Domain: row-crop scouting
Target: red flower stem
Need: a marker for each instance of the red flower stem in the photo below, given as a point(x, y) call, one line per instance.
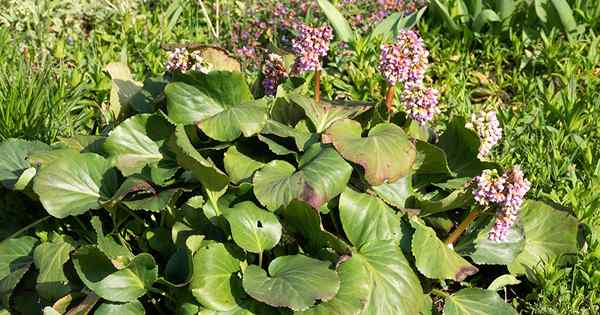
point(389, 98)
point(318, 86)
point(462, 227)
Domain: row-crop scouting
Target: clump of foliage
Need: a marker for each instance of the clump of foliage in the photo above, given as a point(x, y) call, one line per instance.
point(207, 199)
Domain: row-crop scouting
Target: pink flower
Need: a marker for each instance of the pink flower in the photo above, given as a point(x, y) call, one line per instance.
point(405, 60)
point(310, 46)
point(420, 102)
point(488, 129)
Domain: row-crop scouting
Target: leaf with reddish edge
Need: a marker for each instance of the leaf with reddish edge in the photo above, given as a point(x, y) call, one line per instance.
point(322, 174)
point(386, 154)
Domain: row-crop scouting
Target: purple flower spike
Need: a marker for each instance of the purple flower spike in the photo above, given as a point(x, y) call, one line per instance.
point(274, 72)
point(404, 61)
point(420, 102)
point(310, 45)
point(508, 192)
point(489, 188)
point(487, 126)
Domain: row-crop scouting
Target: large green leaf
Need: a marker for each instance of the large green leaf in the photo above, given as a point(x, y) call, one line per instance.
point(215, 283)
point(366, 218)
point(74, 185)
point(395, 288)
point(49, 258)
point(199, 96)
point(322, 174)
point(461, 146)
point(294, 281)
point(475, 244)
point(239, 166)
point(15, 253)
point(337, 20)
point(431, 160)
point(302, 219)
point(138, 141)
point(351, 297)
point(202, 168)
point(396, 193)
point(323, 114)
point(548, 233)
point(131, 308)
point(472, 301)
point(433, 257)
point(125, 285)
point(247, 118)
point(13, 159)
point(386, 153)
point(220, 103)
point(459, 198)
point(253, 228)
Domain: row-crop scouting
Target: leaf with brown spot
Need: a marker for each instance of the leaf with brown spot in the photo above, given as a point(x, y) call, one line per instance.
point(322, 174)
point(386, 154)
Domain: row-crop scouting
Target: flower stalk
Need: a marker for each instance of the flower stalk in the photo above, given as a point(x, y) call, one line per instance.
point(462, 227)
point(317, 86)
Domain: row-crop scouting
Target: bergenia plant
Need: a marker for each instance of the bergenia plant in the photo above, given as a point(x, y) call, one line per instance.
point(208, 200)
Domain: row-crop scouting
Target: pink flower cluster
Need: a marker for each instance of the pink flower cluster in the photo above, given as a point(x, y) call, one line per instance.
point(506, 191)
point(310, 45)
point(487, 126)
point(420, 102)
point(182, 60)
point(274, 72)
point(405, 60)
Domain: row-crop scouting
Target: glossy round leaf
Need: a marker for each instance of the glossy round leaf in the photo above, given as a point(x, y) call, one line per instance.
point(239, 166)
point(367, 218)
point(395, 288)
point(74, 185)
point(214, 282)
point(351, 298)
point(253, 228)
point(97, 272)
point(548, 233)
point(138, 141)
point(294, 281)
point(386, 154)
point(322, 174)
point(202, 168)
point(476, 301)
point(433, 257)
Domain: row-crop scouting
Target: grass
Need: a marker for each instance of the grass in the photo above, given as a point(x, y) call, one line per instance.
point(545, 88)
